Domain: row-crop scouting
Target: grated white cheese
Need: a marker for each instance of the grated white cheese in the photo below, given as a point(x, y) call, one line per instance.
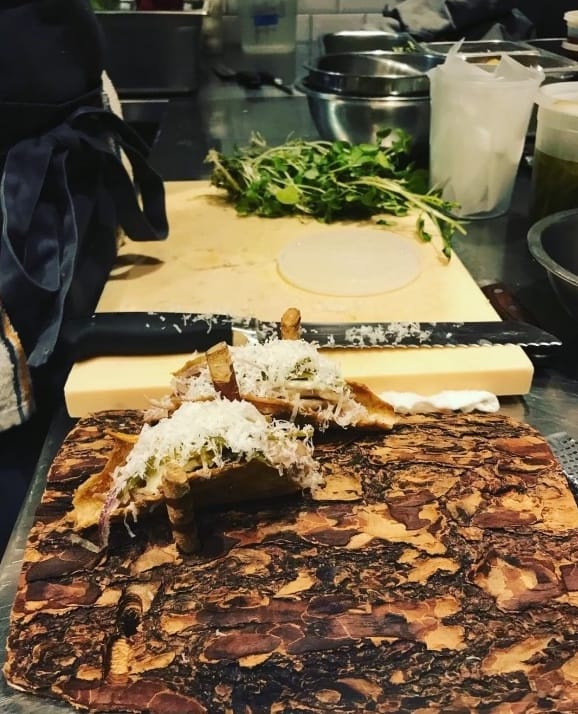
point(281, 369)
point(395, 334)
point(210, 434)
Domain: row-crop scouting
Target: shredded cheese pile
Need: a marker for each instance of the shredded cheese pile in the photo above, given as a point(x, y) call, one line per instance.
point(205, 435)
point(282, 369)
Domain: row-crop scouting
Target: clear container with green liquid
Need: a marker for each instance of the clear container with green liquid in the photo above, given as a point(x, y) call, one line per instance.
point(555, 161)
point(268, 26)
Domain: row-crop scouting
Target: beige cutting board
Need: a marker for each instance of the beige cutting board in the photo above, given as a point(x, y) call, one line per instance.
point(216, 261)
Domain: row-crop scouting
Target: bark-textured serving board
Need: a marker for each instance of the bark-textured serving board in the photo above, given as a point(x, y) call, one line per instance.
point(437, 572)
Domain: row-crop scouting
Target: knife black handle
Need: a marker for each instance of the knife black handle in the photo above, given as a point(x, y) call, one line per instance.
point(143, 333)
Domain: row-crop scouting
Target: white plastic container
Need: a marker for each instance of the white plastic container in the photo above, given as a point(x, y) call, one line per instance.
point(555, 164)
point(571, 41)
point(268, 26)
point(479, 120)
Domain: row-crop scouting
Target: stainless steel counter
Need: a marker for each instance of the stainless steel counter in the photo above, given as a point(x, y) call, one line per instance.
point(221, 115)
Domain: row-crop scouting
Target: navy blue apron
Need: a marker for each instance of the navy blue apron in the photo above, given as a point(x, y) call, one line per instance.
point(64, 190)
point(52, 185)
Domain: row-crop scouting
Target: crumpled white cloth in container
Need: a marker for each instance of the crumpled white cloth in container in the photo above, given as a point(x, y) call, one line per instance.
point(479, 120)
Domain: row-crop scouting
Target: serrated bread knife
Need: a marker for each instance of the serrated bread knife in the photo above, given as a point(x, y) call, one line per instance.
point(148, 333)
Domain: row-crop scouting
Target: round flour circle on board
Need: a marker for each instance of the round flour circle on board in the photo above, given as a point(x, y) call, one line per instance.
point(350, 262)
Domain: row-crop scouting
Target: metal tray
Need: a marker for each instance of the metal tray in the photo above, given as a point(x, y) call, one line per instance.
point(12, 701)
point(482, 47)
point(554, 66)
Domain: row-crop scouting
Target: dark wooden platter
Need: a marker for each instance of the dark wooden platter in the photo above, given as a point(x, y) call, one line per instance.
point(437, 572)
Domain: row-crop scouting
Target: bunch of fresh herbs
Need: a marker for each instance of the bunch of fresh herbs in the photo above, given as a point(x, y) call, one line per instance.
point(333, 180)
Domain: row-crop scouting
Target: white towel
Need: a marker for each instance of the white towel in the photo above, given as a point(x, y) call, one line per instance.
point(453, 400)
point(16, 398)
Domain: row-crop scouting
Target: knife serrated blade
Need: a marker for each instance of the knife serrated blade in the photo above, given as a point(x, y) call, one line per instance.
point(429, 334)
point(143, 333)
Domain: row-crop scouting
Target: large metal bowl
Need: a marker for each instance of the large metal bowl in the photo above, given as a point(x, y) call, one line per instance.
point(370, 74)
point(358, 119)
point(553, 242)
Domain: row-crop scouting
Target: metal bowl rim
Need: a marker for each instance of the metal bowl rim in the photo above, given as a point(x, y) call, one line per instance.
point(537, 249)
point(301, 86)
point(310, 66)
point(368, 32)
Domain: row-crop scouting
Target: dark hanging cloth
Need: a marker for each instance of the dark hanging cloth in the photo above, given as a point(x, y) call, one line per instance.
point(430, 20)
point(51, 187)
point(64, 190)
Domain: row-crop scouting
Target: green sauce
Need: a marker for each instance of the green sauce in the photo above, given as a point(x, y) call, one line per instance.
point(554, 185)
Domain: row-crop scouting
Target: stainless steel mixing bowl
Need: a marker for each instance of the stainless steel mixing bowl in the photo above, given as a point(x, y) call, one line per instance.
point(371, 74)
point(553, 241)
point(363, 40)
point(358, 119)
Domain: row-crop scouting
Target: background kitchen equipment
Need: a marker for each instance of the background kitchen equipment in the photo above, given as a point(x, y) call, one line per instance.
point(481, 48)
point(352, 96)
point(371, 74)
point(161, 5)
point(555, 161)
point(357, 87)
point(553, 242)
point(268, 26)
point(163, 55)
point(251, 79)
point(358, 119)
point(555, 67)
point(571, 20)
point(367, 40)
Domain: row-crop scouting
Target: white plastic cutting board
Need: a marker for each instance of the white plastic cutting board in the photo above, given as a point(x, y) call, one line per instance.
point(216, 261)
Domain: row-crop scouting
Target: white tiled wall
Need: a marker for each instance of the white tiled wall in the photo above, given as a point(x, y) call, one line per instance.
point(316, 17)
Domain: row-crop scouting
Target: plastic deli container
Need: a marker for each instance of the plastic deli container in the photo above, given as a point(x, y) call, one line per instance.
point(571, 41)
point(555, 163)
point(268, 26)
